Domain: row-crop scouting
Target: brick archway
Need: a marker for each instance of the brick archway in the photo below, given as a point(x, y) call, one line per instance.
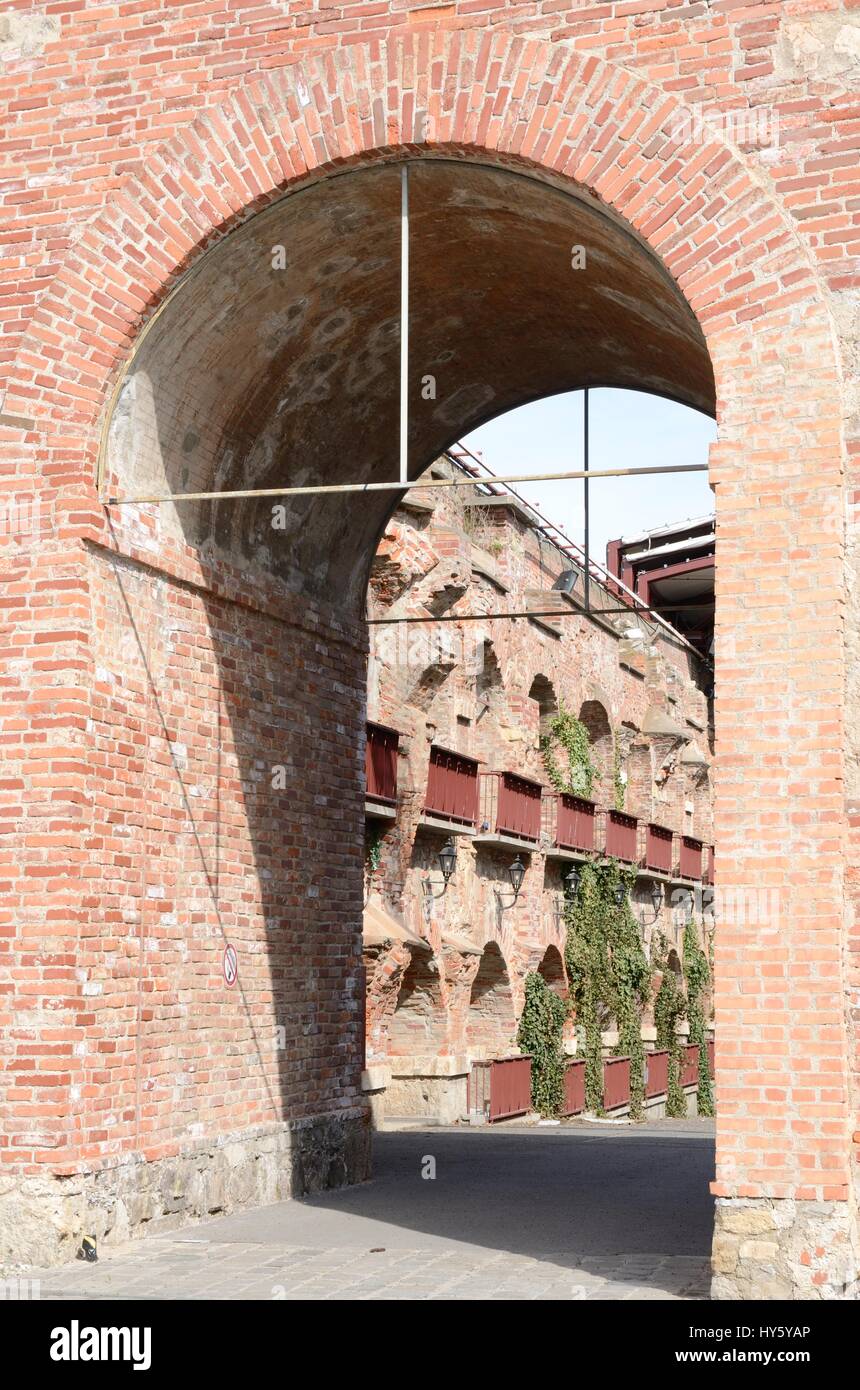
point(576, 120)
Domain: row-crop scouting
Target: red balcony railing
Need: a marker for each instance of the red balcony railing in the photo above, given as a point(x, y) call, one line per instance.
point(657, 1073)
point(511, 805)
point(574, 1087)
point(616, 1082)
point(658, 849)
point(380, 764)
point(500, 1088)
point(690, 1065)
point(452, 787)
point(690, 858)
point(621, 836)
point(568, 821)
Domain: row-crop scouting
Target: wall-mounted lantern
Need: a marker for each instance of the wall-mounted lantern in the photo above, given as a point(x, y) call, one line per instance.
point(656, 904)
point(569, 888)
point(516, 873)
point(620, 894)
point(447, 857)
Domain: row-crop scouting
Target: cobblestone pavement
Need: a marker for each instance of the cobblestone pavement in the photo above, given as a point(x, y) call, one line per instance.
point(562, 1214)
point(179, 1269)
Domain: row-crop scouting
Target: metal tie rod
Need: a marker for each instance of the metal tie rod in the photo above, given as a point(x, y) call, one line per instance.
point(333, 488)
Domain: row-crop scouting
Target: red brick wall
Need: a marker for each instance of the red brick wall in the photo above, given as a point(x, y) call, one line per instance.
point(115, 180)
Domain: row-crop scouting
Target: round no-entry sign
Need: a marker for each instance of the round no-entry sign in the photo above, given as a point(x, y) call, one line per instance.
point(230, 966)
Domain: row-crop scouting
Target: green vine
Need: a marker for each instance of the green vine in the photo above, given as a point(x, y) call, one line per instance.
point(570, 734)
point(619, 786)
point(609, 976)
point(586, 957)
point(631, 982)
point(373, 849)
point(539, 1034)
point(698, 978)
point(670, 1007)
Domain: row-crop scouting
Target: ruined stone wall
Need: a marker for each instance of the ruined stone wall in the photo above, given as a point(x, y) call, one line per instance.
point(487, 689)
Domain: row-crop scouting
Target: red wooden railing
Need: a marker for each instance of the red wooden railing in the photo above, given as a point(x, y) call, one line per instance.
point(380, 764)
point(621, 836)
point(574, 1087)
point(568, 821)
point(657, 1073)
point(500, 1088)
point(690, 858)
point(511, 805)
point(690, 1065)
point(616, 1082)
point(708, 875)
point(658, 849)
point(452, 787)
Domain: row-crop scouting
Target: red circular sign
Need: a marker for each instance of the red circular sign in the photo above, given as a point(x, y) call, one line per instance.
point(230, 966)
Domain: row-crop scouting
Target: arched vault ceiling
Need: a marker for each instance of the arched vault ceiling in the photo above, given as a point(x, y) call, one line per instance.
point(253, 376)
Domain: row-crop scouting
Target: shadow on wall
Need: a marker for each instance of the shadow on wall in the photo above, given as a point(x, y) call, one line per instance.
point(227, 853)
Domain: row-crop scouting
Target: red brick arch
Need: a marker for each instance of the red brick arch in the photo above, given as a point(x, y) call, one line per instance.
point(727, 243)
point(777, 467)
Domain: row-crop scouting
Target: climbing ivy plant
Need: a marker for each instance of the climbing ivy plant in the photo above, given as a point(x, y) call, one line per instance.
point(373, 849)
point(698, 978)
point(670, 1007)
point(608, 973)
point(540, 1034)
point(569, 734)
point(631, 977)
point(619, 786)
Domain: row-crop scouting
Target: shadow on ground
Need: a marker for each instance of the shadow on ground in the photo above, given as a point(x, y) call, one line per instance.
point(576, 1195)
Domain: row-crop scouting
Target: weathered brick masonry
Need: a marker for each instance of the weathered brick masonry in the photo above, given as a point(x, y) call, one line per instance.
point(136, 140)
point(453, 991)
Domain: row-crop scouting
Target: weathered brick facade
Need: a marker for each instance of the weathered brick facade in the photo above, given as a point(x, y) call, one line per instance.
point(138, 139)
point(488, 689)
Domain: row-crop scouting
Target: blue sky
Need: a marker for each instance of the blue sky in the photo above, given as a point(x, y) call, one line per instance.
point(628, 429)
